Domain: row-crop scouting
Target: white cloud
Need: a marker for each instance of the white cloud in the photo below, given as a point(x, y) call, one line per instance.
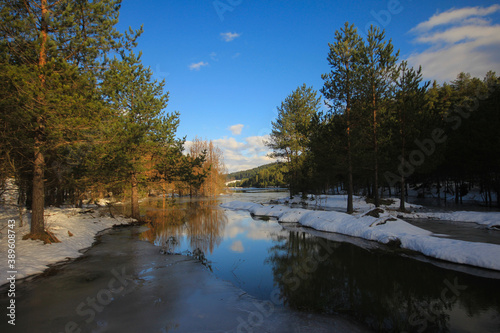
point(254, 231)
point(229, 36)
point(257, 144)
point(249, 153)
point(213, 56)
point(456, 16)
point(485, 35)
point(246, 154)
point(459, 40)
point(237, 246)
point(236, 129)
point(198, 65)
point(229, 143)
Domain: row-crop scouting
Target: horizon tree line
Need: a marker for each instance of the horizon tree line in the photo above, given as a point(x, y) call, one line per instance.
point(385, 127)
point(80, 115)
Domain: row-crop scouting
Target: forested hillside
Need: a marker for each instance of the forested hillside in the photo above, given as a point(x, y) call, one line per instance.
point(386, 127)
point(82, 117)
point(268, 175)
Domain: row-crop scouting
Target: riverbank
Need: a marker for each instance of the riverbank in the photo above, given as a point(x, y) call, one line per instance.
point(125, 284)
point(384, 226)
point(75, 228)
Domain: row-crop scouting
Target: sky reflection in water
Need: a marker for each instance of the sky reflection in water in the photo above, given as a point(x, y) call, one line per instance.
point(384, 289)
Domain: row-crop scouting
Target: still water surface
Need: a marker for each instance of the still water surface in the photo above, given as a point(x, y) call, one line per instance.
point(318, 274)
point(386, 289)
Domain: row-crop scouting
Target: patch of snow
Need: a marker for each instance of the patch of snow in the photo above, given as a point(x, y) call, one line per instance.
point(339, 202)
point(384, 229)
point(490, 220)
point(33, 256)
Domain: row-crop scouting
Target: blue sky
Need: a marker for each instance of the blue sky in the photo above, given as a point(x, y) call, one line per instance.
point(228, 64)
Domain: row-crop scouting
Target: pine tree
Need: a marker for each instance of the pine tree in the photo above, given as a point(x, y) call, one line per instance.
point(409, 101)
point(141, 130)
point(290, 132)
point(53, 49)
point(378, 70)
point(341, 86)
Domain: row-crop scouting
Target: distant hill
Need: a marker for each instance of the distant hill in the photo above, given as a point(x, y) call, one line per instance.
point(272, 174)
point(239, 175)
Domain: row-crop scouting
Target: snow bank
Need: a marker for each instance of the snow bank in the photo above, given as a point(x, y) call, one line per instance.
point(33, 256)
point(489, 219)
point(385, 229)
point(340, 202)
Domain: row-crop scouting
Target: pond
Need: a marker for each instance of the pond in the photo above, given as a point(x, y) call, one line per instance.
point(306, 273)
point(387, 290)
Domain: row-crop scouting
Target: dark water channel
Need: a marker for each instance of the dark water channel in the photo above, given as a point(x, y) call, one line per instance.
point(316, 273)
point(466, 231)
point(325, 273)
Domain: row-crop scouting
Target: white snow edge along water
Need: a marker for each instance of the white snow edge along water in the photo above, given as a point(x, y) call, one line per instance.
point(75, 231)
point(385, 229)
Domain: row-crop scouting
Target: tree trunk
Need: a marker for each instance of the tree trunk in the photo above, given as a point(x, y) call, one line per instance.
point(402, 197)
point(438, 187)
point(376, 197)
point(445, 191)
point(490, 201)
point(38, 195)
point(461, 192)
point(350, 191)
point(135, 198)
point(402, 121)
point(498, 193)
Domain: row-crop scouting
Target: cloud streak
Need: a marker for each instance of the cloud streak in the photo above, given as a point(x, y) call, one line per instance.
point(237, 246)
point(197, 66)
point(246, 154)
point(459, 40)
point(456, 16)
point(229, 36)
point(236, 129)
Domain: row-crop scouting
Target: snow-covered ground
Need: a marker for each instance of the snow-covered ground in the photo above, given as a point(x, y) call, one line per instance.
point(388, 228)
point(490, 220)
point(474, 195)
point(339, 202)
point(31, 256)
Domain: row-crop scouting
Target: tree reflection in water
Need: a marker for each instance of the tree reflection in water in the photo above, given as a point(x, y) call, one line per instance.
point(386, 291)
point(200, 222)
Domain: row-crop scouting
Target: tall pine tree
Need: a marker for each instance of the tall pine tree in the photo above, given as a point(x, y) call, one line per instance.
point(141, 130)
point(290, 132)
point(379, 64)
point(408, 103)
point(53, 49)
point(341, 87)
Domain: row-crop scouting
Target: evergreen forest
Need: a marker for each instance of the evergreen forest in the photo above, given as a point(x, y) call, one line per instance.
point(268, 175)
point(385, 128)
point(82, 118)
